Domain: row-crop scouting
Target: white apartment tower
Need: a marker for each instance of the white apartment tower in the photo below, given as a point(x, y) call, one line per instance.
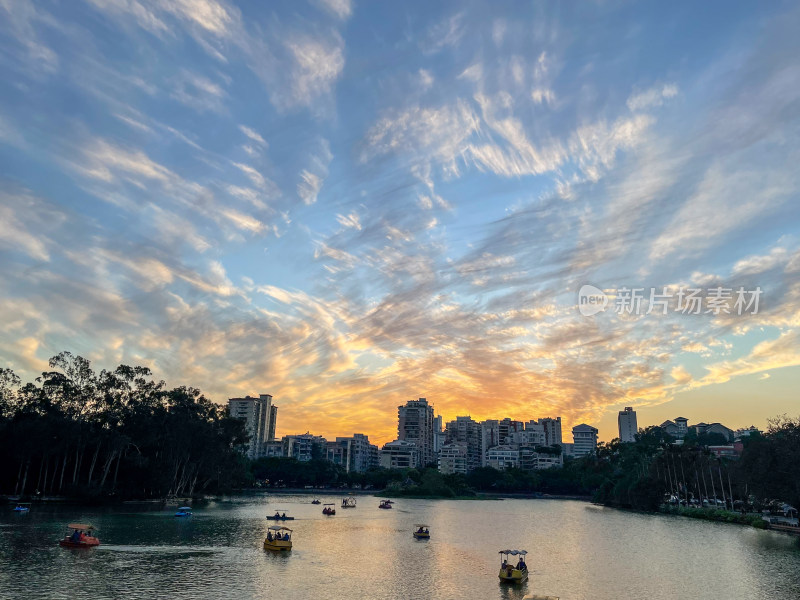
point(415, 423)
point(584, 440)
point(627, 425)
point(259, 416)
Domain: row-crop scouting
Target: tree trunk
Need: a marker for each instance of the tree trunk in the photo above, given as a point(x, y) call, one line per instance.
point(46, 471)
point(116, 472)
point(722, 487)
point(705, 485)
point(53, 478)
point(713, 487)
point(107, 467)
point(25, 477)
point(730, 491)
point(94, 462)
point(19, 477)
point(39, 479)
point(75, 469)
point(685, 488)
point(63, 468)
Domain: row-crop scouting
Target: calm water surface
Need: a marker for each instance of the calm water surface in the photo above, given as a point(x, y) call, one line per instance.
point(577, 552)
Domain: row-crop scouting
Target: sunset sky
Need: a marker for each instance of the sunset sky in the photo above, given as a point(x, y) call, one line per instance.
point(349, 205)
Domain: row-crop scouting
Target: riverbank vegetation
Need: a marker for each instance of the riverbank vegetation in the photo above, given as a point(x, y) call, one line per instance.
point(113, 435)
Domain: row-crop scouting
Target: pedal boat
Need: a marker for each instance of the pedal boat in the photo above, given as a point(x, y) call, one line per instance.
point(85, 537)
point(509, 572)
point(271, 542)
point(421, 532)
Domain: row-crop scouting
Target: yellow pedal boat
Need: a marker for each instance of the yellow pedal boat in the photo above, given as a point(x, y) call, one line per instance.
point(278, 539)
point(511, 572)
point(421, 532)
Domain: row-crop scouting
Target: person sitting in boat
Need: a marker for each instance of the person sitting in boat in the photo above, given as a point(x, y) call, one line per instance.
point(269, 536)
point(76, 536)
point(520, 564)
point(277, 515)
point(420, 530)
point(283, 516)
point(426, 531)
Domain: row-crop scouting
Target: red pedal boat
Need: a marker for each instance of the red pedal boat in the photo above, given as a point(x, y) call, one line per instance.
point(79, 535)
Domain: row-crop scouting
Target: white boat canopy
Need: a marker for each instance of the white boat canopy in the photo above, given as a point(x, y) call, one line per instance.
point(184, 508)
point(513, 552)
point(279, 528)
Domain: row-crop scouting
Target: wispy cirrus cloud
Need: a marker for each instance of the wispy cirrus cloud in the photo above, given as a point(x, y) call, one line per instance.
point(253, 199)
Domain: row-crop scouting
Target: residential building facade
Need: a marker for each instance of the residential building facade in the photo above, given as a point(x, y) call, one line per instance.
point(304, 446)
point(453, 458)
point(400, 454)
point(415, 424)
point(626, 422)
point(466, 431)
point(584, 439)
point(256, 413)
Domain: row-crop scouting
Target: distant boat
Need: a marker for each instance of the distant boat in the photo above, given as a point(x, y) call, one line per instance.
point(79, 535)
point(349, 502)
point(278, 516)
point(328, 509)
point(385, 504)
point(316, 501)
point(184, 511)
point(22, 507)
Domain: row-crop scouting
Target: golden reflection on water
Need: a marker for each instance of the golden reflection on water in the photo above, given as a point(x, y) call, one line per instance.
point(576, 551)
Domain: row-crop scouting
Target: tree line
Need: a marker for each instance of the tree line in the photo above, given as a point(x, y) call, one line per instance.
point(114, 434)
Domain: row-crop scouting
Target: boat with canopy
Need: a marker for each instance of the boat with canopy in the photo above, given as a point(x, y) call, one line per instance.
point(349, 502)
point(511, 571)
point(22, 507)
point(328, 509)
point(184, 511)
point(278, 538)
point(79, 535)
point(421, 532)
point(385, 504)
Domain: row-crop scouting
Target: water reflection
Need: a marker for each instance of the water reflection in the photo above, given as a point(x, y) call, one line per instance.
point(577, 552)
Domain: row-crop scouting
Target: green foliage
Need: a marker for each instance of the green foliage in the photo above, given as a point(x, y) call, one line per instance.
point(711, 514)
point(116, 434)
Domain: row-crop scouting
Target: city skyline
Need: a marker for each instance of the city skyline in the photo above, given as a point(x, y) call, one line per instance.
point(352, 205)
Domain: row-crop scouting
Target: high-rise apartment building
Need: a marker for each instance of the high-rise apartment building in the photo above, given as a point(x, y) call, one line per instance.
point(304, 446)
point(626, 420)
point(584, 440)
point(415, 423)
point(354, 453)
point(453, 458)
point(438, 435)
point(400, 454)
point(498, 433)
point(273, 422)
point(470, 433)
point(257, 413)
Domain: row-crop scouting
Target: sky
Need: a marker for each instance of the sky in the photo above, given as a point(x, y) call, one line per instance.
point(349, 205)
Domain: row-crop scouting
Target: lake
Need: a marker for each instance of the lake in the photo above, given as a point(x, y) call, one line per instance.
point(577, 551)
